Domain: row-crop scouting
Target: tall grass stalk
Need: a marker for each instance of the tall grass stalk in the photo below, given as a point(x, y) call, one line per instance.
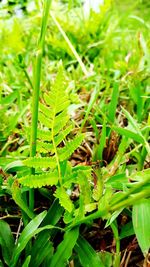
point(36, 88)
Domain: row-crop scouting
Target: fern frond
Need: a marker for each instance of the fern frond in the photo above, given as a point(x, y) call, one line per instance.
point(44, 109)
point(37, 162)
point(35, 181)
point(62, 103)
point(64, 199)
point(70, 147)
point(61, 136)
point(60, 124)
point(44, 120)
point(44, 135)
point(44, 147)
point(54, 114)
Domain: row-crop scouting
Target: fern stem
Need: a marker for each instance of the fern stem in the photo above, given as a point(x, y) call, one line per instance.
point(36, 89)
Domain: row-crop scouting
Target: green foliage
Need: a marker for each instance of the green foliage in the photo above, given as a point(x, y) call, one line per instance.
point(98, 93)
point(86, 253)
point(6, 241)
point(140, 217)
point(64, 250)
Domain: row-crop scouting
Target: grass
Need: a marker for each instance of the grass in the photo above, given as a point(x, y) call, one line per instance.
point(74, 135)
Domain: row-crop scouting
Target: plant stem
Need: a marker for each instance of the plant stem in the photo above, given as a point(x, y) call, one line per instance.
point(36, 89)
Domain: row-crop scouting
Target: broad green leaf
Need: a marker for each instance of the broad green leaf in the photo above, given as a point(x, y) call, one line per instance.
point(141, 224)
point(28, 232)
point(64, 250)
point(106, 258)
point(87, 255)
point(47, 248)
point(6, 241)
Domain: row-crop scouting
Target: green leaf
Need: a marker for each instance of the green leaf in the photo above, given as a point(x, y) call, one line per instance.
point(127, 230)
point(35, 181)
point(141, 224)
point(87, 255)
point(129, 134)
point(6, 241)
point(47, 248)
point(113, 103)
point(64, 199)
point(27, 261)
point(64, 250)
point(106, 258)
point(70, 147)
point(135, 126)
point(18, 198)
point(28, 232)
point(38, 162)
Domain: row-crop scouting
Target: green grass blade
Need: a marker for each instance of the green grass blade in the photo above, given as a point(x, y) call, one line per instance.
point(93, 99)
point(47, 248)
point(141, 224)
point(76, 55)
point(86, 254)
point(135, 126)
point(102, 142)
point(64, 250)
point(27, 261)
point(113, 103)
point(26, 235)
point(129, 134)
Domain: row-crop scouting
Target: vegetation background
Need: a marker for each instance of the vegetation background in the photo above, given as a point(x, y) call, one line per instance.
point(74, 133)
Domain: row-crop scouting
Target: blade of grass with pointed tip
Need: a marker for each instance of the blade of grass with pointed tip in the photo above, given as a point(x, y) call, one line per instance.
point(64, 250)
point(76, 55)
point(135, 126)
point(86, 254)
point(26, 235)
point(141, 224)
point(129, 134)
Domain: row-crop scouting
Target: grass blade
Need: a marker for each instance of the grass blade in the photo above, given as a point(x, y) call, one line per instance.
point(26, 235)
point(65, 248)
point(76, 55)
point(86, 254)
point(141, 224)
point(113, 103)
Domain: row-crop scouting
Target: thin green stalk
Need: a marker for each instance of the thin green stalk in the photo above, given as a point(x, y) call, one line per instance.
point(36, 88)
point(117, 239)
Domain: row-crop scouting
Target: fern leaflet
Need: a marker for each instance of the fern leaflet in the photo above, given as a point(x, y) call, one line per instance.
point(34, 181)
